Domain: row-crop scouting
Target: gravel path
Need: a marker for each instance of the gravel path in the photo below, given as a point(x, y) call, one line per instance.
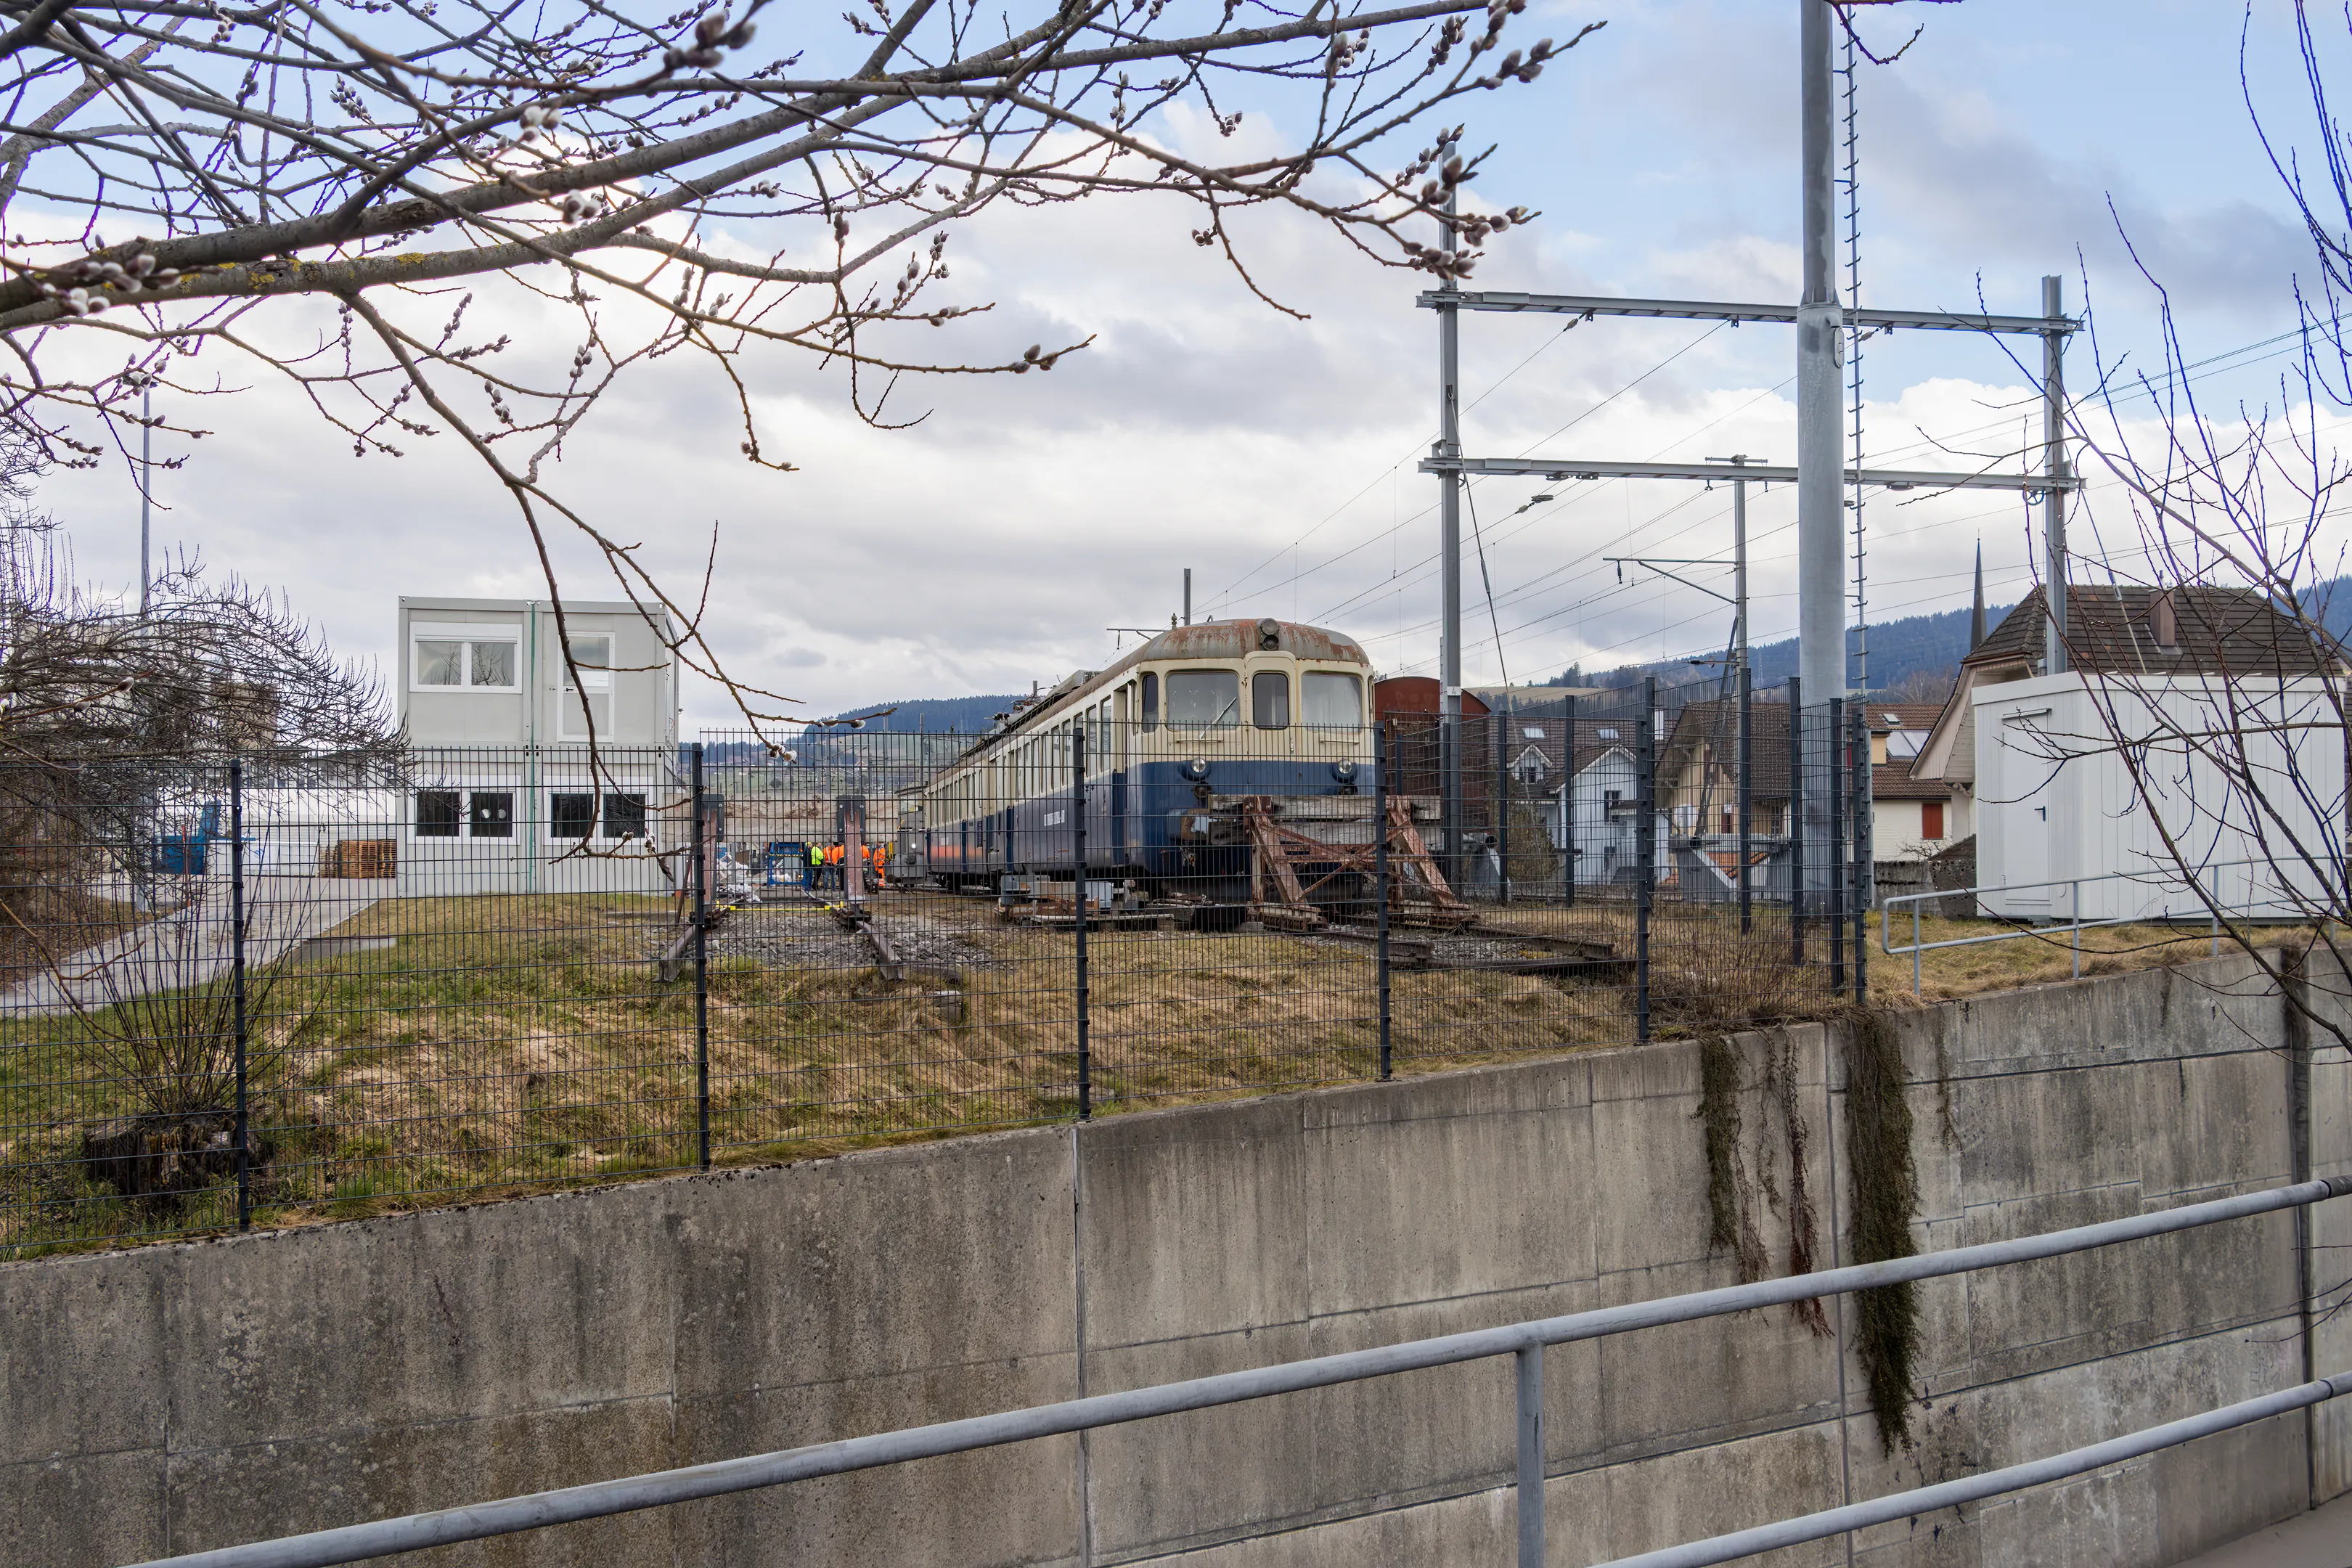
point(814, 941)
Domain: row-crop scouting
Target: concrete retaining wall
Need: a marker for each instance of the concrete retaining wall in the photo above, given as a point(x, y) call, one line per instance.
point(183, 1397)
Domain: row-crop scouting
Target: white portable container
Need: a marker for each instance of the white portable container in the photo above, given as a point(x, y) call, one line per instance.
point(2094, 791)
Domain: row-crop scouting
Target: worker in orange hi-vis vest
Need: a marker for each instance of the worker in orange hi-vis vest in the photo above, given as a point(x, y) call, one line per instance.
point(832, 854)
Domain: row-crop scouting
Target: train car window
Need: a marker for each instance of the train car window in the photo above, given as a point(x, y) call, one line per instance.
point(1151, 702)
point(1270, 700)
point(1205, 697)
point(1327, 701)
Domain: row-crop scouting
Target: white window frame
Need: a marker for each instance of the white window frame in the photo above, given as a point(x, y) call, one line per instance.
point(594, 682)
point(466, 633)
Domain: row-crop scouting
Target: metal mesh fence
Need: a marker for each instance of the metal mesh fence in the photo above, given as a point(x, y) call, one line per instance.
point(268, 991)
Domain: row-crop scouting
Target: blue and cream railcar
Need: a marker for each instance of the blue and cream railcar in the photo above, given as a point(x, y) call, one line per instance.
point(1174, 734)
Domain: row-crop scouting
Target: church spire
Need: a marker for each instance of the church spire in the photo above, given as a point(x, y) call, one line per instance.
point(1977, 616)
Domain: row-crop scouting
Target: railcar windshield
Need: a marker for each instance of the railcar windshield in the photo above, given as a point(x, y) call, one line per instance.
point(1270, 700)
point(1328, 701)
point(1209, 698)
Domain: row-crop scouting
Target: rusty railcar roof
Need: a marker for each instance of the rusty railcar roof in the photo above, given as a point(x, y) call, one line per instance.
point(1234, 639)
point(1203, 639)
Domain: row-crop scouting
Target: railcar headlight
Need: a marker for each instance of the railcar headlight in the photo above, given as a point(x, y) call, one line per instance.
point(1197, 769)
point(1344, 772)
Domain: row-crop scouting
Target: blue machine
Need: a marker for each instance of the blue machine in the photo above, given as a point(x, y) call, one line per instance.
point(186, 854)
point(787, 863)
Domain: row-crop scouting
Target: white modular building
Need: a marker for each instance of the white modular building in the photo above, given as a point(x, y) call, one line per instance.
point(505, 796)
point(2116, 797)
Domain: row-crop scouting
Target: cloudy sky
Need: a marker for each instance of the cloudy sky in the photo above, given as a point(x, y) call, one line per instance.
point(994, 544)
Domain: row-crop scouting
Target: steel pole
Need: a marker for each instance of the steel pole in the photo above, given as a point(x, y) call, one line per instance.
point(1821, 437)
point(1645, 852)
point(1078, 913)
point(239, 1022)
point(1527, 1368)
point(1746, 795)
point(1449, 550)
point(702, 857)
point(1188, 595)
point(2053, 466)
point(1746, 781)
point(146, 491)
point(1503, 800)
point(1821, 542)
point(1568, 801)
point(1381, 886)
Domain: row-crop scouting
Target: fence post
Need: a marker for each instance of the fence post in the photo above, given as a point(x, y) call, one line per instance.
point(1645, 851)
point(1568, 800)
point(1837, 873)
point(1747, 791)
point(1503, 803)
point(702, 830)
point(1865, 877)
point(1380, 886)
point(1078, 902)
point(1796, 821)
point(236, 986)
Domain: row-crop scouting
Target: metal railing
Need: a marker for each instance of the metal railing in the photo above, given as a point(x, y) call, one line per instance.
point(2077, 926)
point(1524, 1342)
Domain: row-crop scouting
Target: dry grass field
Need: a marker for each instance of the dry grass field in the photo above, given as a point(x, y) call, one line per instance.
point(470, 1047)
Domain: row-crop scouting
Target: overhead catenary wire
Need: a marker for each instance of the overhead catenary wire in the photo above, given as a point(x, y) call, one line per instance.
point(1936, 441)
point(1372, 484)
point(1402, 578)
point(1425, 512)
point(1478, 537)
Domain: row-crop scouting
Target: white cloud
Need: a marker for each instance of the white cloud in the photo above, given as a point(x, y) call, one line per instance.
point(992, 544)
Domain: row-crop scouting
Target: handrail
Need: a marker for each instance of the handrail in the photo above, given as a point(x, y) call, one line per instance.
point(1991, 1483)
point(2077, 926)
point(1526, 1341)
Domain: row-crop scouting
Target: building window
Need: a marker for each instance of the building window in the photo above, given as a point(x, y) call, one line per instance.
point(571, 816)
point(440, 662)
point(588, 687)
point(1270, 700)
point(490, 664)
point(438, 812)
point(455, 813)
point(466, 658)
point(491, 814)
point(625, 815)
point(1931, 819)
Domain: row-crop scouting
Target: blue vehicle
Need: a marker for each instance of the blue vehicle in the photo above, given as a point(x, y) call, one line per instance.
point(1177, 735)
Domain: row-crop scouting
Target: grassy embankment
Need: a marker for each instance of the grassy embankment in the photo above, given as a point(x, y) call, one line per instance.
point(508, 1044)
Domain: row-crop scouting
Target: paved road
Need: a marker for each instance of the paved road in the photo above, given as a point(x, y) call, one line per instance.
point(2322, 1539)
point(192, 947)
